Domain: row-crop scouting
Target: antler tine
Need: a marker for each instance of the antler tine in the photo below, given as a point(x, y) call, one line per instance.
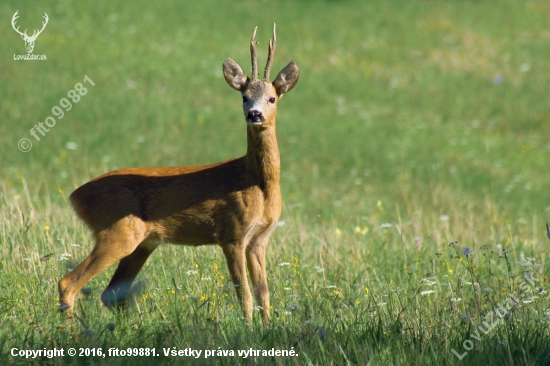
point(43, 24)
point(13, 19)
point(271, 54)
point(253, 44)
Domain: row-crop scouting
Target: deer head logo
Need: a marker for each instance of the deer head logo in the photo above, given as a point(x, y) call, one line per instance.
point(29, 40)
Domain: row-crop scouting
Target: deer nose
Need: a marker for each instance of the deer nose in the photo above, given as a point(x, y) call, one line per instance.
point(255, 116)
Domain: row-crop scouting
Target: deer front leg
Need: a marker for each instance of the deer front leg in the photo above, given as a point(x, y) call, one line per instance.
point(235, 257)
point(255, 260)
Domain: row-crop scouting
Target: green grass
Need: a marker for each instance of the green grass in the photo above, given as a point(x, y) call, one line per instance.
point(415, 124)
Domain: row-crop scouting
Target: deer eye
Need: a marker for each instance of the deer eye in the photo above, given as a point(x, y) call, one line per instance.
point(272, 100)
point(245, 99)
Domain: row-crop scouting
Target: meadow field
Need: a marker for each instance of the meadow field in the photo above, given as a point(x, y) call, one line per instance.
point(414, 179)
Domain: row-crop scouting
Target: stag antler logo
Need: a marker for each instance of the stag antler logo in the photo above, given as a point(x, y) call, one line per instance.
point(29, 40)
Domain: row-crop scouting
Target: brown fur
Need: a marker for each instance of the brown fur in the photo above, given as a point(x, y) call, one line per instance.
point(235, 204)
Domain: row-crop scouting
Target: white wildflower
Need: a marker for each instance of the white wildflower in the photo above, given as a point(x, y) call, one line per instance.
point(71, 145)
point(428, 282)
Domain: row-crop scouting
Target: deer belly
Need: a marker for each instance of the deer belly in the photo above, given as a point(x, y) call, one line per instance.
point(186, 231)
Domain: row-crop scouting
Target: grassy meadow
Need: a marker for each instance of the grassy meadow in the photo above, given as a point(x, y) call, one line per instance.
point(414, 179)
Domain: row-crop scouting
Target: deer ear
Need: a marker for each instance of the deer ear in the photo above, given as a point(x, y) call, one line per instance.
point(287, 78)
point(234, 75)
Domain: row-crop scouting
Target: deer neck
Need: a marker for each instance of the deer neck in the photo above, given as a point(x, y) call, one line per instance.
point(262, 158)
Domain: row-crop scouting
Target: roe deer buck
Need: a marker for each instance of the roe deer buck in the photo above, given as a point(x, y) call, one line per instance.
point(235, 204)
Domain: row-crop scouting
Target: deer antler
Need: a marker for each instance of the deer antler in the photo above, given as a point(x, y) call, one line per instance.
point(13, 19)
point(24, 34)
point(271, 54)
point(35, 34)
point(253, 44)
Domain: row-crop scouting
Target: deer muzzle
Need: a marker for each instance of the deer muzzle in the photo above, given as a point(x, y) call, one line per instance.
point(255, 117)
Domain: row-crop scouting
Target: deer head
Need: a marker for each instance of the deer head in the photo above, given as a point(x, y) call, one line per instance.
point(29, 40)
point(260, 97)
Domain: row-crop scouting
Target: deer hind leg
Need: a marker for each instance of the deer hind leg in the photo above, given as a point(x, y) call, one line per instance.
point(255, 260)
point(235, 257)
point(128, 268)
point(113, 244)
